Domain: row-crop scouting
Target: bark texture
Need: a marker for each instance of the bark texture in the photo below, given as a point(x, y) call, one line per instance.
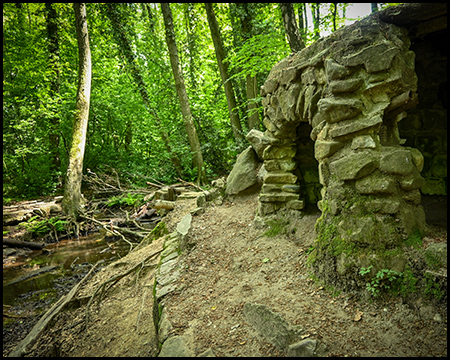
point(223, 68)
point(194, 143)
point(73, 199)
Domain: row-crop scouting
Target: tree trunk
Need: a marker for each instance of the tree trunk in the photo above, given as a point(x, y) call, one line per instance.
point(290, 26)
point(194, 143)
point(251, 83)
point(315, 11)
point(53, 49)
point(252, 107)
point(302, 21)
point(125, 48)
point(223, 68)
point(73, 201)
point(335, 8)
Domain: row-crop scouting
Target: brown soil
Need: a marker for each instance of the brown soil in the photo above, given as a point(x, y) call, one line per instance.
point(229, 264)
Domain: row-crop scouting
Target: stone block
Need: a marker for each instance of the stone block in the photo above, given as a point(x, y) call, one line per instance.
point(324, 173)
point(418, 159)
point(266, 208)
point(278, 197)
point(334, 71)
point(324, 149)
point(291, 188)
point(376, 183)
point(276, 152)
point(343, 86)
point(258, 141)
point(308, 76)
point(335, 110)
point(363, 142)
point(280, 177)
point(355, 125)
point(354, 166)
point(397, 161)
point(270, 85)
point(295, 204)
point(375, 58)
point(269, 124)
point(271, 188)
point(412, 182)
point(280, 165)
point(387, 206)
point(288, 75)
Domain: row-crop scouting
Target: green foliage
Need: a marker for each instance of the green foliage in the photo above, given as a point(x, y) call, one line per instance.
point(258, 54)
point(129, 199)
point(384, 279)
point(39, 228)
point(158, 231)
point(122, 132)
point(276, 227)
point(414, 240)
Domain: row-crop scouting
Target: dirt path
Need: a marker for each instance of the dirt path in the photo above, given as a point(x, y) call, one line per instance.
point(231, 263)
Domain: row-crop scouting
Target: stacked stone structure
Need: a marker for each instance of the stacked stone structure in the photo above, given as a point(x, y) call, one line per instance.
point(353, 88)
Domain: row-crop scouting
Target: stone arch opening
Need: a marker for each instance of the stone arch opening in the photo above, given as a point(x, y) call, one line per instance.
point(350, 91)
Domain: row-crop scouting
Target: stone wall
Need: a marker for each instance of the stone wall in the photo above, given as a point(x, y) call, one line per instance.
point(348, 91)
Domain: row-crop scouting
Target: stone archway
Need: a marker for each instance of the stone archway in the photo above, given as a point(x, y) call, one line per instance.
point(352, 87)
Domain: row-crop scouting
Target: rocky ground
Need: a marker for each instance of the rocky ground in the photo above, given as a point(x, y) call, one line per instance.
point(230, 263)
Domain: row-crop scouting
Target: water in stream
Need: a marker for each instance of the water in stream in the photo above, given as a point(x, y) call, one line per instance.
point(46, 275)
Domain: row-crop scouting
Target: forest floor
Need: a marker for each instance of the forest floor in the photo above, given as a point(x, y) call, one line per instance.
point(232, 263)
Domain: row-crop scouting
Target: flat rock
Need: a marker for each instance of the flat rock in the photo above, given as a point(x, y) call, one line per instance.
point(271, 325)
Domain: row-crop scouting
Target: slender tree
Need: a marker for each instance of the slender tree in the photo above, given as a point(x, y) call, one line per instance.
point(302, 21)
point(53, 49)
point(244, 10)
point(223, 68)
point(194, 143)
point(290, 26)
point(73, 200)
point(315, 11)
point(125, 48)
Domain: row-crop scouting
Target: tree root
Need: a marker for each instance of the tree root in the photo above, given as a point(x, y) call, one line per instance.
point(114, 279)
point(117, 231)
point(25, 345)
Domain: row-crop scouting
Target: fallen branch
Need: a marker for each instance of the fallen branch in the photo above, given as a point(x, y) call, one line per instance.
point(185, 183)
point(20, 243)
point(114, 279)
point(25, 345)
point(117, 231)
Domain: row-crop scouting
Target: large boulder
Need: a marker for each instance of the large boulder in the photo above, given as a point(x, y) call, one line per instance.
point(244, 173)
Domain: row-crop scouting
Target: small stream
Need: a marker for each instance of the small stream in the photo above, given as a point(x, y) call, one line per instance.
point(48, 274)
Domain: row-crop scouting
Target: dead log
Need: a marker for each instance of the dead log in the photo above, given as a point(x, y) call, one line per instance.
point(22, 244)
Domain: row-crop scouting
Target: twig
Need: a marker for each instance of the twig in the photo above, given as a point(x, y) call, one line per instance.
point(191, 184)
point(116, 231)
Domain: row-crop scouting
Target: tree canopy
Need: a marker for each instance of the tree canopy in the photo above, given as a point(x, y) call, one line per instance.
point(140, 138)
